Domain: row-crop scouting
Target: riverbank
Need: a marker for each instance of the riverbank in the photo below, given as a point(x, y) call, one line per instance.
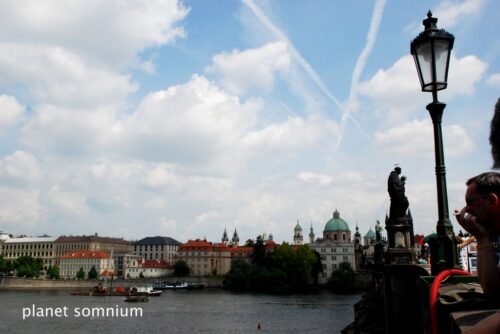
point(11, 283)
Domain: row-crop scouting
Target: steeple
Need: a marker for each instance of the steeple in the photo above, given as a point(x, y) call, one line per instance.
point(311, 234)
point(224, 237)
point(236, 240)
point(297, 236)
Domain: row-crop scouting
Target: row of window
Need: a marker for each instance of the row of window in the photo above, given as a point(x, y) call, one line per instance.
point(33, 254)
point(334, 250)
point(27, 246)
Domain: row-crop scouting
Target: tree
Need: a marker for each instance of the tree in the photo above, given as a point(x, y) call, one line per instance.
point(181, 268)
point(342, 279)
point(53, 272)
point(27, 266)
point(80, 273)
point(93, 273)
point(317, 267)
point(239, 276)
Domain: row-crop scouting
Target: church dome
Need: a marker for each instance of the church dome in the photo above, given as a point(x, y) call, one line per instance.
point(336, 224)
point(370, 234)
point(298, 227)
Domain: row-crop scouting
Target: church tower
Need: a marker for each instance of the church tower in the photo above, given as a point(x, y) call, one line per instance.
point(297, 235)
point(236, 240)
point(224, 237)
point(311, 234)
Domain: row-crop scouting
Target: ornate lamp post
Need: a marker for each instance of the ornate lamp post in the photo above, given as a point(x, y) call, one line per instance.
point(431, 50)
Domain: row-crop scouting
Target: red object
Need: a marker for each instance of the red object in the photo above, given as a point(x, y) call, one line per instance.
point(435, 291)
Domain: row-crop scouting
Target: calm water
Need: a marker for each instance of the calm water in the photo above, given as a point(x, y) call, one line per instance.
point(202, 311)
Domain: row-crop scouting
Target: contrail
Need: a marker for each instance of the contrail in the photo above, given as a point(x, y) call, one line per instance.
point(346, 112)
point(360, 64)
point(295, 54)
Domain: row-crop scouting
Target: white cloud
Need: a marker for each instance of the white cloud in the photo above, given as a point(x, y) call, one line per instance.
point(294, 134)
point(451, 13)
point(397, 90)
point(20, 167)
point(55, 75)
point(11, 112)
point(494, 80)
point(109, 32)
point(72, 203)
point(20, 207)
point(241, 71)
point(416, 139)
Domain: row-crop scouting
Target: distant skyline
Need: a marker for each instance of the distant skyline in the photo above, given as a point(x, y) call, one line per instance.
point(182, 118)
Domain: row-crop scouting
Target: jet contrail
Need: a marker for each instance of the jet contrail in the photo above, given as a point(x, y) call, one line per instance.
point(360, 64)
point(372, 34)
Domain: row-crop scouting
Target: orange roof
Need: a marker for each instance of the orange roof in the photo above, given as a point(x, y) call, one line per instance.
point(107, 273)
point(155, 264)
point(86, 255)
point(198, 245)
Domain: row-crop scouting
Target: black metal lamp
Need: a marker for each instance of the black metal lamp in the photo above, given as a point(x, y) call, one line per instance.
point(431, 50)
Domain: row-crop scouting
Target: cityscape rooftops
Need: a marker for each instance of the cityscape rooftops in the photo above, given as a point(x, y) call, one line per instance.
point(157, 240)
point(87, 255)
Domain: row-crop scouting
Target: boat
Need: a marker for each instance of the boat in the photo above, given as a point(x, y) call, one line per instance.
point(136, 298)
point(147, 290)
point(170, 286)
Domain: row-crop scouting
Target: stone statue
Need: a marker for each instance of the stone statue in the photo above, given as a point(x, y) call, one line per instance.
point(378, 231)
point(396, 189)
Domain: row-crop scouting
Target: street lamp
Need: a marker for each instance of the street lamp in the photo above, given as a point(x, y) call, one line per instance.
point(431, 51)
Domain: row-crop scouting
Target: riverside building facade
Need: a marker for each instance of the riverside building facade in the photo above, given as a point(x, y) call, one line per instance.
point(157, 248)
point(335, 246)
point(39, 247)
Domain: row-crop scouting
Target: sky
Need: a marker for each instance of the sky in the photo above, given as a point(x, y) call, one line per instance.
point(184, 118)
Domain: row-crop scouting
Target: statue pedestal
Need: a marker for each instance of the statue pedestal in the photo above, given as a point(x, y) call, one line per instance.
point(400, 255)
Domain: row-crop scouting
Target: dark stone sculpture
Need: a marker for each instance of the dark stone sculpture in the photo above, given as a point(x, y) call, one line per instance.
point(396, 189)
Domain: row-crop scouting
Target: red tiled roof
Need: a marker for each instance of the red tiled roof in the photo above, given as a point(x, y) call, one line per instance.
point(155, 264)
point(86, 255)
point(199, 245)
point(107, 273)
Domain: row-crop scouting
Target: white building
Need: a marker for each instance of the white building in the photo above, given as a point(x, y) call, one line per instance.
point(335, 246)
point(71, 263)
point(40, 247)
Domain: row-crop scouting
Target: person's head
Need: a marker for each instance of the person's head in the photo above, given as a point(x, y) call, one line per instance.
point(495, 136)
point(397, 169)
point(483, 198)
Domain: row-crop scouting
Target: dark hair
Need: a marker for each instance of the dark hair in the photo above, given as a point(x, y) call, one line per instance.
point(495, 136)
point(486, 183)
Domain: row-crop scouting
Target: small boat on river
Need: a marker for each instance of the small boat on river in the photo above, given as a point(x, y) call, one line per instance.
point(170, 286)
point(147, 290)
point(136, 298)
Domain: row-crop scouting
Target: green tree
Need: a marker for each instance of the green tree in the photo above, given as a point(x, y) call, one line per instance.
point(317, 268)
point(342, 279)
point(181, 268)
point(80, 273)
point(53, 272)
point(93, 273)
point(259, 256)
point(27, 266)
point(4, 264)
point(239, 276)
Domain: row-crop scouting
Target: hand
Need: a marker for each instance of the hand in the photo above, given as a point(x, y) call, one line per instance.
point(470, 224)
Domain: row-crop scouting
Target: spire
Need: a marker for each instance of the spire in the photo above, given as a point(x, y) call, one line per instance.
point(311, 234)
point(224, 237)
point(235, 241)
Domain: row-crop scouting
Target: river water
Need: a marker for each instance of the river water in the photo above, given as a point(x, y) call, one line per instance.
point(195, 311)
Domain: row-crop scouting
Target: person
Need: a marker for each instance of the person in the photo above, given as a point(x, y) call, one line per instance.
point(481, 218)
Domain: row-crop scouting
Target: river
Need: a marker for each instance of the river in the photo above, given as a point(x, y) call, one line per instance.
point(195, 311)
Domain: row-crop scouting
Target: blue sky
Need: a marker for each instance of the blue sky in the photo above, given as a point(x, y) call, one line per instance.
point(182, 118)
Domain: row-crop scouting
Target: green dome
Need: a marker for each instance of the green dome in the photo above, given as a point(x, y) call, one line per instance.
point(298, 227)
point(336, 224)
point(370, 234)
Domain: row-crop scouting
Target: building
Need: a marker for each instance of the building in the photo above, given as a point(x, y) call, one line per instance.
point(335, 246)
point(136, 267)
point(157, 248)
point(207, 259)
point(116, 247)
point(71, 263)
point(40, 247)
point(298, 238)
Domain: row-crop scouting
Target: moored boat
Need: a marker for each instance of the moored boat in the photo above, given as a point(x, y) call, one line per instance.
point(147, 290)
